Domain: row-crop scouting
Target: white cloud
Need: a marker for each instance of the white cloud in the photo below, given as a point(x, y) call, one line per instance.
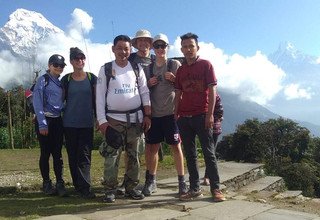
point(80, 24)
point(293, 91)
point(253, 78)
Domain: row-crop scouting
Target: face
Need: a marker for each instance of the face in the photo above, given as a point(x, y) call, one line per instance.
point(122, 50)
point(143, 44)
point(160, 48)
point(78, 62)
point(56, 69)
point(189, 48)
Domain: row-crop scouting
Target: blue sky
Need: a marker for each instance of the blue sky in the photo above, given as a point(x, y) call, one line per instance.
point(235, 26)
point(236, 36)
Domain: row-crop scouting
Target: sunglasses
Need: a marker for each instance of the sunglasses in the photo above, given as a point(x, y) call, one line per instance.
point(79, 58)
point(162, 46)
point(58, 65)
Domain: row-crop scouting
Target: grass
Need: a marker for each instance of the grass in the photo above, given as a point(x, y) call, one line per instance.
point(29, 202)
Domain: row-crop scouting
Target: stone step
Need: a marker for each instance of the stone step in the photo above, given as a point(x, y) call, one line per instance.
point(267, 183)
point(288, 194)
point(233, 175)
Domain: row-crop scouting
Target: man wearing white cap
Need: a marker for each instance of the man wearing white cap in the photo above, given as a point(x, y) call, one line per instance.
point(163, 125)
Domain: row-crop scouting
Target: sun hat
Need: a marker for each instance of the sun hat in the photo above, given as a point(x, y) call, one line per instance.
point(139, 34)
point(74, 52)
point(161, 37)
point(56, 58)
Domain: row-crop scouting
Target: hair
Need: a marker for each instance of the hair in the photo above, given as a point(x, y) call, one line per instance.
point(189, 36)
point(121, 38)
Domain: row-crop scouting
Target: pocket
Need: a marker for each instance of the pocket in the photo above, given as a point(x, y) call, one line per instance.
point(114, 138)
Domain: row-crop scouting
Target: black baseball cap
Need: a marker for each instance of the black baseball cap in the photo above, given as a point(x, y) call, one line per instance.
point(75, 52)
point(56, 58)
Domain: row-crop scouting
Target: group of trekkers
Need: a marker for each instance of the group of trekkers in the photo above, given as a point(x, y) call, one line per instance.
point(138, 101)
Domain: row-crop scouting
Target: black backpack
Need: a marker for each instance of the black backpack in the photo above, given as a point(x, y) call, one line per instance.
point(29, 93)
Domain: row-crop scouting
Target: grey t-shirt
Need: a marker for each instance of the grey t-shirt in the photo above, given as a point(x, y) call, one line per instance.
point(79, 110)
point(162, 95)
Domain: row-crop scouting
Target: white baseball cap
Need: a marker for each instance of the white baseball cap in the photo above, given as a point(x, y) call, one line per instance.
point(161, 37)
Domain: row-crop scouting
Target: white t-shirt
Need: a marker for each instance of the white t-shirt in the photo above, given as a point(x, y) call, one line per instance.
point(122, 95)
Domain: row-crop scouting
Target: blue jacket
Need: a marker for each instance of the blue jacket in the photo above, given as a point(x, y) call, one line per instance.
point(47, 99)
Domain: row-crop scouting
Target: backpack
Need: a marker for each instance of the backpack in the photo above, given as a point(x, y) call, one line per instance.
point(109, 76)
point(29, 93)
point(218, 108)
point(65, 83)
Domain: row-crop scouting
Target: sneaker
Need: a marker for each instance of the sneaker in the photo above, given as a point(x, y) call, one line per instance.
point(218, 196)
point(183, 188)
point(206, 181)
point(149, 187)
point(48, 188)
point(61, 189)
point(134, 194)
point(109, 197)
point(191, 195)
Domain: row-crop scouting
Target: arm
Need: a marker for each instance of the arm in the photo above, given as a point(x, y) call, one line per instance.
point(212, 101)
point(101, 89)
point(38, 105)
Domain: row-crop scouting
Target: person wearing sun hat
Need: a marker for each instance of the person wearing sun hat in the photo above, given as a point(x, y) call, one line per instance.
point(48, 104)
point(163, 124)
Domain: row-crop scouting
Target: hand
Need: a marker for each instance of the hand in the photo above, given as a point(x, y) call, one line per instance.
point(103, 127)
point(153, 81)
point(209, 121)
point(44, 131)
point(169, 76)
point(146, 124)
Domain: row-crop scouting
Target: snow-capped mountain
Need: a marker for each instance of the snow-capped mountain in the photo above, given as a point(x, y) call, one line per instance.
point(23, 31)
point(299, 67)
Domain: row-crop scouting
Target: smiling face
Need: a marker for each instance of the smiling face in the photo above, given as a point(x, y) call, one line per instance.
point(143, 44)
point(78, 62)
point(122, 50)
point(56, 69)
point(160, 48)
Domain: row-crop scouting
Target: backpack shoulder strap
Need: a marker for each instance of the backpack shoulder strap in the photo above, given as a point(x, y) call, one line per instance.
point(169, 65)
point(46, 79)
point(108, 72)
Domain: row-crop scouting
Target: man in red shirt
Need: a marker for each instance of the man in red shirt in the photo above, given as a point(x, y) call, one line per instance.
point(195, 99)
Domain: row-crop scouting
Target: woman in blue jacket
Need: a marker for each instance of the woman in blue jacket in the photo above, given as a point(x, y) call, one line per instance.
point(48, 103)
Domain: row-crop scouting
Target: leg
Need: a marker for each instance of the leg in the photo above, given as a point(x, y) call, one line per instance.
point(188, 140)
point(178, 158)
point(71, 138)
point(83, 164)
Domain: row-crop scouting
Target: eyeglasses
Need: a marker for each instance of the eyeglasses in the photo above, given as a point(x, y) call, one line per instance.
point(58, 65)
point(79, 58)
point(162, 46)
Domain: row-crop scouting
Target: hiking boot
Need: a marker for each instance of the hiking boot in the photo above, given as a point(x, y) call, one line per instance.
point(217, 195)
point(191, 195)
point(134, 194)
point(87, 194)
point(48, 188)
point(206, 181)
point(109, 197)
point(183, 188)
point(61, 189)
point(150, 187)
